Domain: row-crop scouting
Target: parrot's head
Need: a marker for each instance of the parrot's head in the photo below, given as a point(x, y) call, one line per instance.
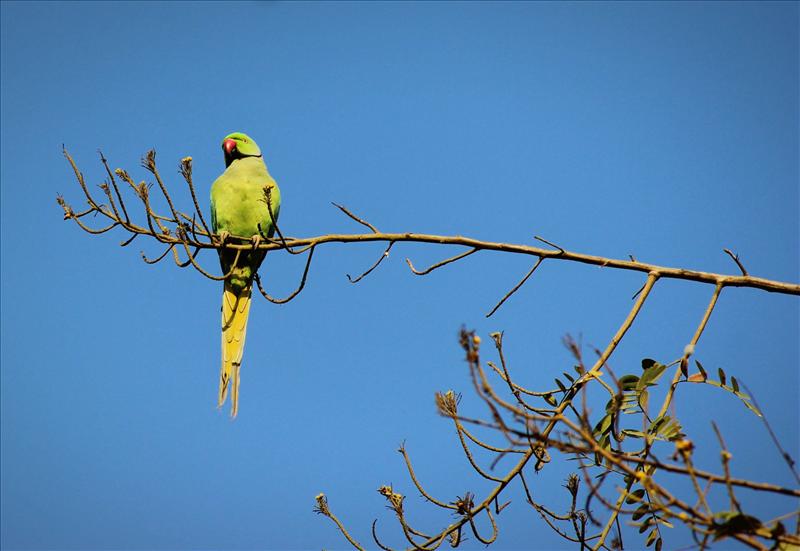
point(239, 145)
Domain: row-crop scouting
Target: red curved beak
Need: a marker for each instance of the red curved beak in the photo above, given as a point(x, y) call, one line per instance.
point(228, 145)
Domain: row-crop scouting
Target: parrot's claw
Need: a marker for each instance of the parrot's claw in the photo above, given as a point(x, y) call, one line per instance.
point(256, 241)
point(223, 237)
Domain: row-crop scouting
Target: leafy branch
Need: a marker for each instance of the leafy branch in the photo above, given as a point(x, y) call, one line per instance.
point(605, 450)
point(528, 423)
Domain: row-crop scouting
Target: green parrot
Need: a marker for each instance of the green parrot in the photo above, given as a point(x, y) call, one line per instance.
point(239, 213)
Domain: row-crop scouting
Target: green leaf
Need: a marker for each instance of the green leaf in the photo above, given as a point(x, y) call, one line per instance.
point(665, 522)
point(615, 403)
point(569, 377)
point(604, 425)
point(560, 385)
point(630, 402)
point(651, 537)
point(633, 433)
point(675, 432)
point(778, 529)
point(644, 398)
point(647, 363)
point(651, 374)
point(608, 423)
point(665, 428)
point(628, 382)
point(657, 422)
point(659, 543)
point(550, 400)
point(605, 443)
point(641, 511)
point(747, 403)
point(635, 496)
point(734, 388)
point(628, 479)
point(727, 523)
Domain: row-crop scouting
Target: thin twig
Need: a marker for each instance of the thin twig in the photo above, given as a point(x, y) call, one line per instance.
point(515, 288)
point(323, 509)
point(356, 218)
point(375, 537)
point(726, 459)
point(425, 494)
point(159, 258)
point(784, 454)
point(444, 262)
point(295, 292)
point(114, 184)
point(377, 263)
point(735, 258)
point(560, 250)
point(186, 172)
point(275, 226)
point(689, 349)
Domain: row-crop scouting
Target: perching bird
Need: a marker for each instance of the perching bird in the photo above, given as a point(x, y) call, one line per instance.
point(239, 210)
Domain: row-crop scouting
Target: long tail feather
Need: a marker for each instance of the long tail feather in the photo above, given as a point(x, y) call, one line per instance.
point(235, 310)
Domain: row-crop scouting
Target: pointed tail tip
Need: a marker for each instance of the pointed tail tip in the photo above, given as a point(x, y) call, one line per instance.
point(234, 411)
point(234, 406)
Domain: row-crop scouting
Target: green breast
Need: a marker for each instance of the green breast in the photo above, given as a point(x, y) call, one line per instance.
point(238, 199)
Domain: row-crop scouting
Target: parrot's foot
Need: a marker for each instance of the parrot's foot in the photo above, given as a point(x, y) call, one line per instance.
point(256, 241)
point(223, 237)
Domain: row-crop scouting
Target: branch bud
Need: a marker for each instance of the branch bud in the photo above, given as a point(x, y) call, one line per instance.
point(684, 447)
point(447, 403)
point(149, 160)
point(186, 168)
point(470, 342)
point(464, 504)
point(68, 213)
point(322, 505)
point(395, 499)
point(573, 482)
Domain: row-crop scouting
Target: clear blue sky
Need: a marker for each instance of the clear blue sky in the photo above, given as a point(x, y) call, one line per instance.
point(667, 131)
